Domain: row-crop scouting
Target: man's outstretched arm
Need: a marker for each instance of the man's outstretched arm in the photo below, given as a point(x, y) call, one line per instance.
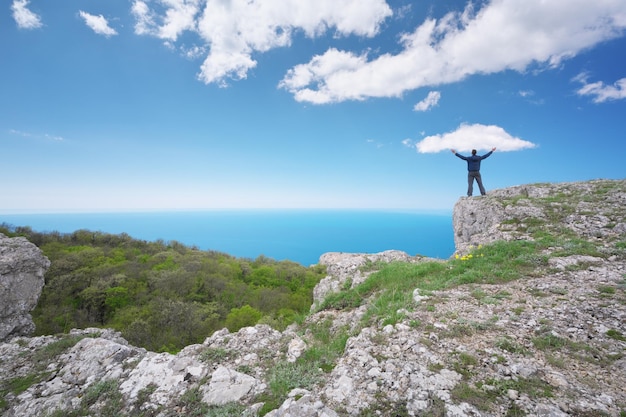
point(488, 154)
point(460, 156)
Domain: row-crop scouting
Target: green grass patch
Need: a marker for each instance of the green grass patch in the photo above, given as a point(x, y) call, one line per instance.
point(20, 384)
point(390, 290)
point(505, 343)
point(383, 406)
point(616, 334)
point(104, 395)
point(533, 386)
point(464, 392)
point(465, 364)
point(606, 289)
point(284, 377)
point(327, 345)
point(54, 349)
point(226, 410)
point(210, 355)
point(549, 341)
point(191, 402)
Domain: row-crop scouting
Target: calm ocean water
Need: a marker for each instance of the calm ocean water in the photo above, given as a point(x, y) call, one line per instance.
point(297, 235)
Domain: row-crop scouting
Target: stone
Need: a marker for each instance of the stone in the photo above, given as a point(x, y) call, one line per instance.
point(227, 386)
point(295, 349)
point(22, 269)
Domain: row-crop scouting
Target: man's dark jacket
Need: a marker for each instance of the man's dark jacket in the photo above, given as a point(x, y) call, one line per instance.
point(473, 161)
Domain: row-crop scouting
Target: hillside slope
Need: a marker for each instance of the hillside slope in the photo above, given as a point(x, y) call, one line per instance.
point(528, 319)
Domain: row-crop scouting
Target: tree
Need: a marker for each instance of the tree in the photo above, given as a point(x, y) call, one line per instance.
point(242, 317)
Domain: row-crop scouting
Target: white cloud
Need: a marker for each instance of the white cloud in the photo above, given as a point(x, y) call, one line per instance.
point(167, 20)
point(193, 52)
point(24, 18)
point(98, 24)
point(29, 135)
point(601, 92)
point(235, 30)
point(429, 102)
point(476, 136)
point(503, 35)
point(144, 18)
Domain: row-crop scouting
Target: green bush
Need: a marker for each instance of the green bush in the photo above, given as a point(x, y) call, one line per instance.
point(242, 317)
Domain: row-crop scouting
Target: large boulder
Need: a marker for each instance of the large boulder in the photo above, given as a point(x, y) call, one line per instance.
point(22, 268)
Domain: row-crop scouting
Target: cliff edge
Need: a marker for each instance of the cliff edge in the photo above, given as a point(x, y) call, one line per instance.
point(592, 210)
point(531, 321)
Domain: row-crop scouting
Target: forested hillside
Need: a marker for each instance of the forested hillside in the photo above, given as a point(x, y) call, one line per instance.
point(161, 295)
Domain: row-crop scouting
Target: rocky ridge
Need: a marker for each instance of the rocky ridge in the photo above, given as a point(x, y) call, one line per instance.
point(549, 344)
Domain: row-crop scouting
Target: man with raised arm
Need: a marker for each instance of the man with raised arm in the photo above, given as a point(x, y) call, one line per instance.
point(473, 170)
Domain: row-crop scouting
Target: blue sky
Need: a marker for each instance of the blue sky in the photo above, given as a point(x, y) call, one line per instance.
point(200, 104)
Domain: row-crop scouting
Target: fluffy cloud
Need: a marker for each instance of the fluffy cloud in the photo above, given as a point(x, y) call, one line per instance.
point(24, 18)
point(430, 101)
point(167, 20)
point(237, 29)
point(601, 92)
point(98, 24)
point(476, 136)
point(503, 35)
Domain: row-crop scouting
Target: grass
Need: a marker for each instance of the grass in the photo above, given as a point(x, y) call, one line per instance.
point(483, 395)
point(465, 364)
point(465, 392)
point(606, 290)
point(191, 402)
point(325, 347)
point(616, 334)
point(389, 291)
point(385, 407)
point(20, 384)
point(505, 343)
point(193, 406)
point(54, 349)
point(284, 377)
point(211, 355)
point(226, 410)
point(103, 393)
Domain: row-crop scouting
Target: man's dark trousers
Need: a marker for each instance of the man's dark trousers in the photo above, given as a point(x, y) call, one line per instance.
point(471, 176)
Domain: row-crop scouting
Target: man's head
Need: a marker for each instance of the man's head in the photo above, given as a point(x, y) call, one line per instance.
point(473, 151)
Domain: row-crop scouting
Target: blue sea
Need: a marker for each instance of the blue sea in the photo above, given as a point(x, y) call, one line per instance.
point(296, 235)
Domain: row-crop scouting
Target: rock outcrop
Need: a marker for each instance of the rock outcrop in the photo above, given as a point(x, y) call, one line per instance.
point(351, 269)
point(22, 268)
point(549, 344)
point(589, 209)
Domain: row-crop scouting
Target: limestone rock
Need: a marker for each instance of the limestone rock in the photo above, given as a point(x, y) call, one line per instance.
point(507, 214)
point(227, 386)
point(300, 403)
point(22, 268)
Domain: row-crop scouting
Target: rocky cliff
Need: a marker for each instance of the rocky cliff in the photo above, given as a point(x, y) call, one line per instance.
point(545, 339)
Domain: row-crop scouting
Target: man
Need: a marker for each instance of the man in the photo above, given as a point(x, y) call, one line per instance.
point(473, 170)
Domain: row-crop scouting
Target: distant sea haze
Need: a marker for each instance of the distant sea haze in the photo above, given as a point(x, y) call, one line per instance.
point(297, 235)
